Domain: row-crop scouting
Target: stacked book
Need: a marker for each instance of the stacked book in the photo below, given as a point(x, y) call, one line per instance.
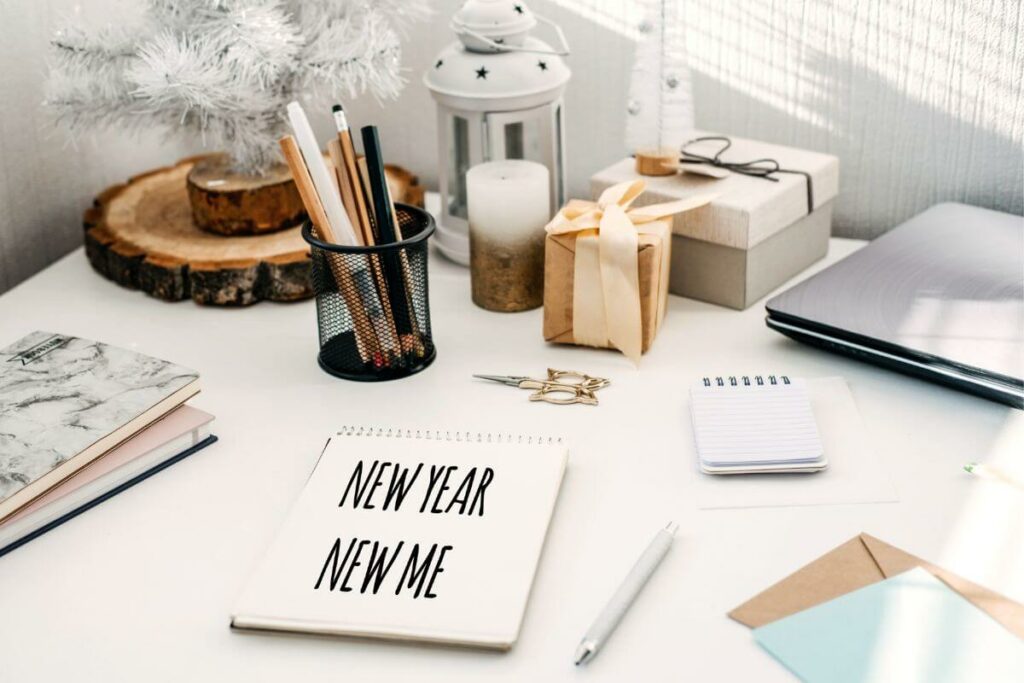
point(81, 421)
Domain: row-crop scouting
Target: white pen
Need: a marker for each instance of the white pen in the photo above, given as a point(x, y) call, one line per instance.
point(612, 614)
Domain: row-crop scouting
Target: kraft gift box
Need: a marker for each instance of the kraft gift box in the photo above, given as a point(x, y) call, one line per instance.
point(606, 269)
point(755, 234)
point(559, 268)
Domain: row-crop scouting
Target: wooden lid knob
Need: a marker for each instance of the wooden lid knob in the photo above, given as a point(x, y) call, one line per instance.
point(664, 161)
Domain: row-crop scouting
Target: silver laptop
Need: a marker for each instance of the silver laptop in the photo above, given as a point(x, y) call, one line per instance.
point(940, 297)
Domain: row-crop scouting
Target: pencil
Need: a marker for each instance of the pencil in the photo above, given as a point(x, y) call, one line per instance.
point(336, 182)
point(311, 200)
point(391, 230)
point(345, 188)
point(417, 339)
point(343, 155)
point(364, 182)
point(348, 155)
point(393, 270)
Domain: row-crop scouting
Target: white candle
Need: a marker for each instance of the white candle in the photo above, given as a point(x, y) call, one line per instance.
point(508, 199)
point(509, 204)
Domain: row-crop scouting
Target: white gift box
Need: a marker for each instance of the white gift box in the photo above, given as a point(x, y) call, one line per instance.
point(756, 234)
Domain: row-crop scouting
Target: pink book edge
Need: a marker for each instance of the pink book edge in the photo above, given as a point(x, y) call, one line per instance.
point(178, 422)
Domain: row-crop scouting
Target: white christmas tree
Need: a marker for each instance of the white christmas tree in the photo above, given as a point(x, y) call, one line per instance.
point(226, 69)
point(660, 106)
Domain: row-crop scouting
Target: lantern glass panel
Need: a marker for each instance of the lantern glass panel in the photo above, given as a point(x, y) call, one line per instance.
point(523, 140)
point(458, 163)
point(514, 141)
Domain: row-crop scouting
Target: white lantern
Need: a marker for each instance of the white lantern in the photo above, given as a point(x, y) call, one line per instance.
point(499, 96)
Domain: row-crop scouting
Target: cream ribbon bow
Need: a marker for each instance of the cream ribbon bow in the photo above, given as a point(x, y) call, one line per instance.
point(606, 281)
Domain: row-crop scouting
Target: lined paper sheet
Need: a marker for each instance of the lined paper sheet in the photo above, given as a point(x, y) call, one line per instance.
point(754, 424)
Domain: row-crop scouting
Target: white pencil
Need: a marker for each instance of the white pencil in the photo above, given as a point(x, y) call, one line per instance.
point(341, 226)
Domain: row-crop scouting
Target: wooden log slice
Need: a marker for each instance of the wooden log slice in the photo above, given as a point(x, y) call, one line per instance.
point(142, 235)
point(230, 203)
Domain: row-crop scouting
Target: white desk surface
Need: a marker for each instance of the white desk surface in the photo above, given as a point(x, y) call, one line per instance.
point(140, 588)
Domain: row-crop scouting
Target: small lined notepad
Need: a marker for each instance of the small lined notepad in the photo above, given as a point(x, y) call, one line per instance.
point(755, 424)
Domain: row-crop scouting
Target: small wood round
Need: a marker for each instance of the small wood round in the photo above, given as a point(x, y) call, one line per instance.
point(404, 186)
point(230, 203)
point(142, 235)
point(656, 161)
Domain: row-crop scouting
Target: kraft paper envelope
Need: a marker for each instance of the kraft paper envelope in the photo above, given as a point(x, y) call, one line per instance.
point(861, 561)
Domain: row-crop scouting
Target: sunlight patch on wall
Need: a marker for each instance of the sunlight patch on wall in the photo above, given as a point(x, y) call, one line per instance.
point(944, 55)
point(620, 16)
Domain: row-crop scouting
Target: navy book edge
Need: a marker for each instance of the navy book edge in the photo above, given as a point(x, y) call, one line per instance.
point(106, 496)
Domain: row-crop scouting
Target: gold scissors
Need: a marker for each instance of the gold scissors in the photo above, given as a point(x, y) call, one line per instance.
point(562, 387)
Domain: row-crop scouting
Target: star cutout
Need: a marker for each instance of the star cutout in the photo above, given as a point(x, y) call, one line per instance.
point(543, 65)
point(439, 63)
point(518, 9)
point(482, 72)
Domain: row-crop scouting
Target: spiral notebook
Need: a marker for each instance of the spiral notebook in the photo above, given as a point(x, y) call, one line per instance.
point(855, 473)
point(411, 535)
point(744, 425)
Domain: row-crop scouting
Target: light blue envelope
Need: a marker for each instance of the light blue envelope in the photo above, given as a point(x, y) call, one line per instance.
point(909, 628)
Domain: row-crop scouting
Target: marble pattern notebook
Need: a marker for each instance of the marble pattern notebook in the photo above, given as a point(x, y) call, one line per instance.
point(150, 450)
point(65, 399)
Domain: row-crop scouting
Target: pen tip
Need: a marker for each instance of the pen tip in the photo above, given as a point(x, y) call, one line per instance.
point(584, 654)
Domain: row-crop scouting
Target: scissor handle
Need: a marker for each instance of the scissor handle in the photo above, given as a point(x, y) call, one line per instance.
point(555, 385)
point(584, 380)
point(576, 394)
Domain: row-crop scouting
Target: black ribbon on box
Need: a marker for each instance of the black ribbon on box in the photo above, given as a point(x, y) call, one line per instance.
point(758, 168)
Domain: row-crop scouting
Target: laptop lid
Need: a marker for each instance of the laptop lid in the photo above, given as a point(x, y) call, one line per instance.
point(946, 286)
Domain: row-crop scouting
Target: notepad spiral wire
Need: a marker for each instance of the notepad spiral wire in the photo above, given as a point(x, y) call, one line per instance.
point(446, 435)
point(746, 380)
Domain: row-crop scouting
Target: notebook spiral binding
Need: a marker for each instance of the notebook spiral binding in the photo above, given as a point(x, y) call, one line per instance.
point(746, 380)
point(446, 435)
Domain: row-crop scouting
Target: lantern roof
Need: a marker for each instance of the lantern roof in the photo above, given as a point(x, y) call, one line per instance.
point(497, 81)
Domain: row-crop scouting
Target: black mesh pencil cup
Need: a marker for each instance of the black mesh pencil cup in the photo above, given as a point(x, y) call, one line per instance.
point(371, 303)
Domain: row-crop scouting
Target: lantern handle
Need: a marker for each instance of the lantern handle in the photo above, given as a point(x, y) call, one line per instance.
point(499, 47)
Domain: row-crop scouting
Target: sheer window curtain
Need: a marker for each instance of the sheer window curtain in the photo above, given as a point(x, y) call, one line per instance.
point(921, 100)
